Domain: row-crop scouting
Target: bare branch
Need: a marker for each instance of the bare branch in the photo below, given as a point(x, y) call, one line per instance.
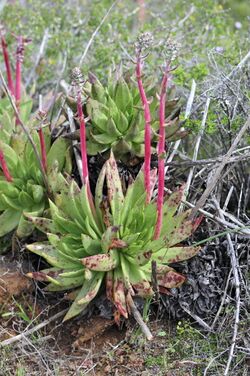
point(26, 333)
point(217, 173)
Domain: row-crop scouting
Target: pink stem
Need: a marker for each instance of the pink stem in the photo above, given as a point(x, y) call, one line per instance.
point(4, 166)
point(147, 135)
point(19, 61)
point(83, 145)
point(43, 149)
point(161, 154)
point(7, 65)
point(85, 173)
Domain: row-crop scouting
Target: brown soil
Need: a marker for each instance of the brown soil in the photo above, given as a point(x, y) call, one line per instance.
point(91, 346)
point(12, 283)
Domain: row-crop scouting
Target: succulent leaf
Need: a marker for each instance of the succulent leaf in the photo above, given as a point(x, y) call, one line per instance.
point(116, 117)
point(26, 193)
point(9, 219)
point(118, 247)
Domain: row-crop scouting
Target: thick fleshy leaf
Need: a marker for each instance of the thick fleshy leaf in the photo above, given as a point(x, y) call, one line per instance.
point(24, 228)
point(115, 193)
point(119, 297)
point(99, 195)
point(102, 262)
point(44, 225)
point(109, 284)
point(172, 203)
point(175, 254)
point(135, 191)
point(37, 192)
point(59, 280)
point(91, 246)
point(64, 225)
point(90, 221)
point(108, 236)
point(96, 112)
point(86, 294)
point(9, 219)
point(8, 189)
point(123, 97)
point(56, 154)
point(11, 203)
point(143, 289)
point(182, 232)
point(10, 156)
point(52, 255)
point(170, 279)
point(97, 91)
point(93, 290)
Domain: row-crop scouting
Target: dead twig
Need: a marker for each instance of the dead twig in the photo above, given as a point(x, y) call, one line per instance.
point(187, 114)
point(26, 333)
point(217, 173)
point(40, 54)
point(240, 228)
point(196, 150)
point(197, 319)
point(204, 162)
point(144, 328)
point(213, 360)
point(234, 262)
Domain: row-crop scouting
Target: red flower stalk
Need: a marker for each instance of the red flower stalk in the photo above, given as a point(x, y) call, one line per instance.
point(41, 117)
point(85, 173)
point(19, 61)
point(161, 154)
point(4, 166)
point(147, 136)
point(83, 145)
point(7, 64)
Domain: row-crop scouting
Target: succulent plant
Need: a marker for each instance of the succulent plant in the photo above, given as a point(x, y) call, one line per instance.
point(8, 120)
point(22, 188)
point(117, 120)
point(112, 242)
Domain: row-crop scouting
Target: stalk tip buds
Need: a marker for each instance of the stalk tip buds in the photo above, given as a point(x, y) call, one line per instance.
point(144, 42)
point(170, 50)
point(77, 77)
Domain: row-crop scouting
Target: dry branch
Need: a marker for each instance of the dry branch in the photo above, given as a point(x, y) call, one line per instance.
point(218, 172)
point(234, 262)
point(145, 330)
point(26, 333)
point(187, 114)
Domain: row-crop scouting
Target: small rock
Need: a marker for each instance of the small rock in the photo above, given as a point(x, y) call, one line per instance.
point(12, 283)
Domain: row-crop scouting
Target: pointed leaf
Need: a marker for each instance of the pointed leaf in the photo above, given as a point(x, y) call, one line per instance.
point(170, 280)
point(9, 220)
point(52, 255)
point(115, 193)
point(175, 254)
point(102, 262)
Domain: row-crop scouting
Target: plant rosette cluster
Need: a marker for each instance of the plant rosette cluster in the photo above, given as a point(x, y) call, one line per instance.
point(24, 191)
point(111, 241)
point(116, 118)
